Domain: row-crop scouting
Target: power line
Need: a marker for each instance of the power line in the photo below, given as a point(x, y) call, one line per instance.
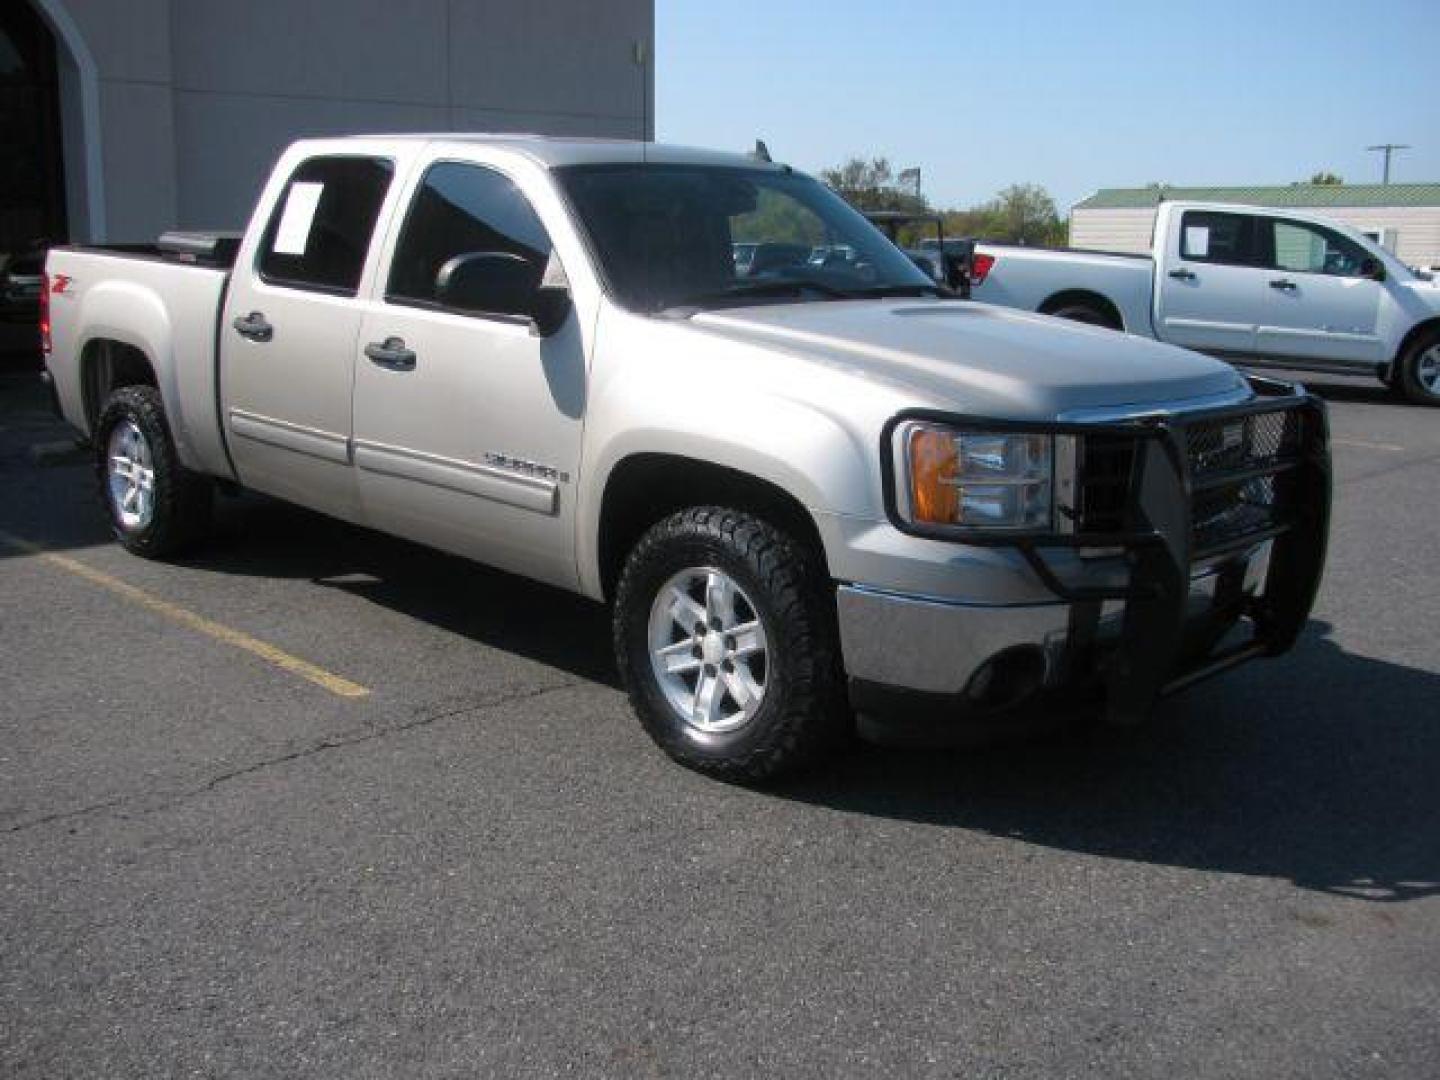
point(1389, 148)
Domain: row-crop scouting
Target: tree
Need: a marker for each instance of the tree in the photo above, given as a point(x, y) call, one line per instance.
point(1022, 214)
point(871, 185)
point(1329, 179)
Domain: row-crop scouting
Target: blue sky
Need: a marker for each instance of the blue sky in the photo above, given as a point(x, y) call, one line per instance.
point(1072, 95)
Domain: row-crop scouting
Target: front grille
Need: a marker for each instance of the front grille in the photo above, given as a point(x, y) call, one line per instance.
point(1236, 466)
point(1242, 442)
point(1222, 515)
point(1233, 498)
point(1107, 473)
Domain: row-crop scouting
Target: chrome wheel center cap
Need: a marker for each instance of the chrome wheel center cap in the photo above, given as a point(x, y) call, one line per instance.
point(713, 649)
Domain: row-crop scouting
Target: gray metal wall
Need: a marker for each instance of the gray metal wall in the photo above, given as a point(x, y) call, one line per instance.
point(195, 98)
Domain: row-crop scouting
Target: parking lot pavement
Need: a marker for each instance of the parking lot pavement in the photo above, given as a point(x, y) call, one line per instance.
point(212, 864)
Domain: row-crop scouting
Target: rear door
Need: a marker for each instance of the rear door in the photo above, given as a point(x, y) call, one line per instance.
point(1211, 293)
point(467, 421)
point(290, 328)
point(1319, 305)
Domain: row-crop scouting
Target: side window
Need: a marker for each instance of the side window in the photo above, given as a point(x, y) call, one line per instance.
point(1208, 236)
point(1313, 249)
point(321, 228)
point(460, 212)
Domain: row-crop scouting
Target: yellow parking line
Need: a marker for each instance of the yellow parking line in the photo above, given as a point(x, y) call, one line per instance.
point(230, 636)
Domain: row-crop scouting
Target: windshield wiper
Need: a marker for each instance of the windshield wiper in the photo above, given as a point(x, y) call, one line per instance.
point(758, 289)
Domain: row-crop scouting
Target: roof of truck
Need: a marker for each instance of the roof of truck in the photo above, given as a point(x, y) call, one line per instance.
point(551, 151)
point(1279, 195)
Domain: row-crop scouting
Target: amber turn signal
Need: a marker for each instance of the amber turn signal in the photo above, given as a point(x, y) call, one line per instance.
point(934, 467)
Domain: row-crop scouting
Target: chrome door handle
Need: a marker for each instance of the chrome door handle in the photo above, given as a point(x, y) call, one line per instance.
point(1283, 283)
point(254, 326)
point(1183, 275)
point(391, 353)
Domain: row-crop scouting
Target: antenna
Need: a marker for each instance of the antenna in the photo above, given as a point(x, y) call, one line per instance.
point(640, 55)
point(1388, 148)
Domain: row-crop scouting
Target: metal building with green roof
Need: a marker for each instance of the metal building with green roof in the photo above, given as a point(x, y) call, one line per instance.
point(1403, 217)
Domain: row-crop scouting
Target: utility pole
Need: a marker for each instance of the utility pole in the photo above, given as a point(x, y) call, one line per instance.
point(1388, 149)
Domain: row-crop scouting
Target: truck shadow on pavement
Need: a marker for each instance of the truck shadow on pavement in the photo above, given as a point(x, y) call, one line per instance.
point(263, 538)
point(1322, 768)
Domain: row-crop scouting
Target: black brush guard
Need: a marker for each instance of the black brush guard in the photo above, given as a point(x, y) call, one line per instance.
point(1247, 494)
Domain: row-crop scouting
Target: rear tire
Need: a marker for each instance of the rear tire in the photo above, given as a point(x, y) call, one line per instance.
point(724, 633)
point(156, 506)
point(1418, 376)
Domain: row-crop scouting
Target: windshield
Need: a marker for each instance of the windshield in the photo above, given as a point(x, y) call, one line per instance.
point(670, 236)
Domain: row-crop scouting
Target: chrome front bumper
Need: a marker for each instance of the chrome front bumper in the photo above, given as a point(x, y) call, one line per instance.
point(931, 648)
point(934, 646)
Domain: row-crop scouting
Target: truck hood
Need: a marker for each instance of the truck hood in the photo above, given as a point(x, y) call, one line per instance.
point(976, 358)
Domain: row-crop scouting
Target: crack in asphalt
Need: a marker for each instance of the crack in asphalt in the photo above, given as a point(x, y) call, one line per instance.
point(176, 798)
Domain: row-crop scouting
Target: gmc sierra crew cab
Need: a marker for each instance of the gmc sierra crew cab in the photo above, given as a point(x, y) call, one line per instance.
point(1258, 286)
point(809, 493)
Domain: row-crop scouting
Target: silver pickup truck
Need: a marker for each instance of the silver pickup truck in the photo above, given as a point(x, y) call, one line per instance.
point(808, 493)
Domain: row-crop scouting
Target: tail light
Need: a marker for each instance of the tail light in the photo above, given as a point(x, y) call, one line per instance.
point(980, 268)
point(45, 313)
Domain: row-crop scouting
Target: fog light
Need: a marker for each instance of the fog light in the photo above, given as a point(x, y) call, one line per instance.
point(1007, 678)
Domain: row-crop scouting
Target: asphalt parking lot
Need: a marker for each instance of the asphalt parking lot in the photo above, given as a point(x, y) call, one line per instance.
point(473, 863)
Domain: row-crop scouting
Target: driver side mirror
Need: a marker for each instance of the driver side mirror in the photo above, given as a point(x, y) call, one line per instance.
point(552, 298)
point(504, 283)
point(1372, 268)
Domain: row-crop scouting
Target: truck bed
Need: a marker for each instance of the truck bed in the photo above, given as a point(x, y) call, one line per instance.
point(1034, 279)
point(212, 249)
point(162, 301)
point(1143, 256)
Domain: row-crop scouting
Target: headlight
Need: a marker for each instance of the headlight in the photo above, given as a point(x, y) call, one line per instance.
point(973, 480)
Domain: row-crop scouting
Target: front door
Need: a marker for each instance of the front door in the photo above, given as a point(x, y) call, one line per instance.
point(1321, 306)
point(467, 421)
point(1211, 293)
point(289, 332)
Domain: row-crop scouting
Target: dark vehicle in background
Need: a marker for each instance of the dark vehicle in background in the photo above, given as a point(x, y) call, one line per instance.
point(20, 285)
point(756, 259)
point(949, 261)
point(20, 277)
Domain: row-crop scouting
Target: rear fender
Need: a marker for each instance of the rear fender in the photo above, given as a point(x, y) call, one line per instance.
point(134, 315)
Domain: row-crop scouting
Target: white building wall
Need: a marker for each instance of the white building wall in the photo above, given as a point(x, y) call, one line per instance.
point(197, 97)
point(1415, 229)
point(1112, 230)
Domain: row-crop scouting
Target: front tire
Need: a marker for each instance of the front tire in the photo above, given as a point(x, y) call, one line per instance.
point(156, 506)
point(724, 635)
point(1419, 370)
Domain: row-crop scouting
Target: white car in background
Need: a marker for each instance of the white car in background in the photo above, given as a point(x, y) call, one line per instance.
point(1247, 283)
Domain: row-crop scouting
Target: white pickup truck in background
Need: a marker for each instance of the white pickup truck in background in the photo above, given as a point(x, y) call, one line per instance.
point(1246, 283)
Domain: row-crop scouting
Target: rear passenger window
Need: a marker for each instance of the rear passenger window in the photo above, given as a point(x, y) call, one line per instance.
point(462, 210)
point(321, 228)
point(1207, 236)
